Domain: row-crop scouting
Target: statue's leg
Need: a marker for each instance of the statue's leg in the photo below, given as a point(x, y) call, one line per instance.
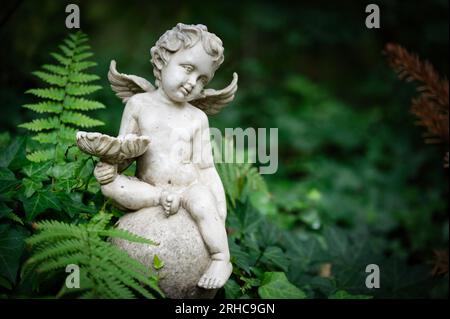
point(199, 201)
point(131, 193)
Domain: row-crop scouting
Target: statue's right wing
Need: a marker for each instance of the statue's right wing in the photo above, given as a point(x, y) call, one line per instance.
point(126, 85)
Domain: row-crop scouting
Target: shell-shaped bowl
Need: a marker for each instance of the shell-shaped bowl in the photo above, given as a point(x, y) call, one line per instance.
point(112, 149)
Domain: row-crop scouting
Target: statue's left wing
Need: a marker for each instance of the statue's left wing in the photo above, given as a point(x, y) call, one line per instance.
point(213, 101)
point(126, 85)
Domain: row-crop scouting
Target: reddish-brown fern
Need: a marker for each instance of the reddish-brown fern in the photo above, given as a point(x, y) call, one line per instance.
point(431, 107)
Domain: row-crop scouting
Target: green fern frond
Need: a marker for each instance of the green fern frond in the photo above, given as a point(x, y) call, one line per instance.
point(123, 234)
point(67, 134)
point(61, 59)
point(46, 138)
point(60, 248)
point(51, 78)
point(239, 177)
point(79, 119)
point(80, 66)
point(81, 89)
point(82, 56)
point(68, 52)
point(45, 107)
point(83, 77)
point(50, 93)
point(67, 84)
point(56, 69)
point(82, 48)
point(41, 155)
point(69, 43)
point(76, 103)
point(41, 124)
point(111, 272)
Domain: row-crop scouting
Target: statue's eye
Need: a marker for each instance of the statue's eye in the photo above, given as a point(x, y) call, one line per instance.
point(204, 80)
point(188, 68)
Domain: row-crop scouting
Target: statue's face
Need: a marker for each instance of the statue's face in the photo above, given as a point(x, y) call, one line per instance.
point(186, 73)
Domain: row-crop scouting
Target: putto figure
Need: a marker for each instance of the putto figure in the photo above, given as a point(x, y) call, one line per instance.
point(165, 129)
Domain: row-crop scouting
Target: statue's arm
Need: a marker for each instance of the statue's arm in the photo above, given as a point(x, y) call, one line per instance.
point(128, 125)
point(203, 158)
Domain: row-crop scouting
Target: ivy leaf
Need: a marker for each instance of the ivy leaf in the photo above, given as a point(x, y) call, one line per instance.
point(245, 218)
point(274, 255)
point(239, 257)
point(40, 202)
point(275, 285)
point(72, 204)
point(37, 171)
point(31, 186)
point(8, 183)
point(157, 263)
point(232, 290)
point(14, 156)
point(11, 248)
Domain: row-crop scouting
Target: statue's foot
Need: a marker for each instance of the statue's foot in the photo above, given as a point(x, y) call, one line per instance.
point(216, 275)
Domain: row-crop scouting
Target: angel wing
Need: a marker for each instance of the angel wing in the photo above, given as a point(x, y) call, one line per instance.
point(213, 101)
point(126, 85)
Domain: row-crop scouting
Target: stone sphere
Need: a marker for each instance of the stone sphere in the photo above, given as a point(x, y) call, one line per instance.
point(181, 248)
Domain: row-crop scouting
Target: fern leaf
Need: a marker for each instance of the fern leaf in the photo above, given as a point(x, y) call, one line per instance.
point(68, 134)
point(82, 48)
point(69, 43)
point(82, 56)
point(79, 77)
point(41, 124)
point(48, 93)
point(46, 138)
point(58, 57)
point(51, 78)
point(54, 226)
point(56, 69)
point(80, 66)
point(41, 155)
point(79, 119)
point(45, 107)
point(74, 103)
point(62, 261)
point(123, 234)
point(60, 248)
point(125, 277)
point(78, 38)
point(110, 271)
point(68, 52)
point(77, 89)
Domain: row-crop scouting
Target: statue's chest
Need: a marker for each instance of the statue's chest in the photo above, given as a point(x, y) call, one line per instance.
point(167, 127)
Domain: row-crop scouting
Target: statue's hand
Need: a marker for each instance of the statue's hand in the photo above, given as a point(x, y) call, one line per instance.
point(105, 173)
point(170, 202)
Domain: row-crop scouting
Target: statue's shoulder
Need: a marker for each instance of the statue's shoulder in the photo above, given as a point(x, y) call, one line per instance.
point(141, 100)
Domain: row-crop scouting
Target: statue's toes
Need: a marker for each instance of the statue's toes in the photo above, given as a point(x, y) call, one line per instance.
point(201, 282)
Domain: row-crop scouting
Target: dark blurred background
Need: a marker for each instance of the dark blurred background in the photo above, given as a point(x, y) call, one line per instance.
point(350, 154)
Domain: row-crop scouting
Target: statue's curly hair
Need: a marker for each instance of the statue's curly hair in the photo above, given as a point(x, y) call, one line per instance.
point(184, 36)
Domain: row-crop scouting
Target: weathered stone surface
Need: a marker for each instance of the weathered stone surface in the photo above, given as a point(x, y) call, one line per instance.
point(181, 247)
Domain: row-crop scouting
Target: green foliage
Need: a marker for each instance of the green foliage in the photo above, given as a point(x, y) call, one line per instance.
point(53, 189)
point(67, 85)
point(275, 285)
point(107, 271)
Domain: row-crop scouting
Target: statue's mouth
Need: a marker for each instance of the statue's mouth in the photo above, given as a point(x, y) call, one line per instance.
point(185, 91)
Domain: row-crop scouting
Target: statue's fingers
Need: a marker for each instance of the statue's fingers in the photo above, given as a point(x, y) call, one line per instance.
point(175, 206)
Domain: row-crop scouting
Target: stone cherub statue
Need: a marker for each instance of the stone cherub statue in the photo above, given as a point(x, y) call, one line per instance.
point(165, 129)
